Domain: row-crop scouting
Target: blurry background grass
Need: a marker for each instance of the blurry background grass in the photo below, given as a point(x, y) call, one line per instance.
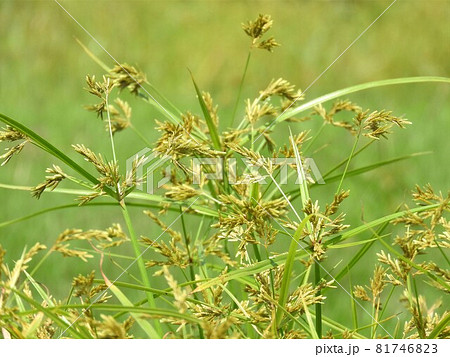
point(42, 71)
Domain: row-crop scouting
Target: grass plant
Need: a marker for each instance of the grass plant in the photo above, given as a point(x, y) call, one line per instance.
point(242, 255)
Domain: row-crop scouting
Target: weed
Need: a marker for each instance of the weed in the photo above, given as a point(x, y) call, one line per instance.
point(220, 267)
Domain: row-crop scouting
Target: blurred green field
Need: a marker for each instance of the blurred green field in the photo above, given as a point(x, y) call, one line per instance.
point(42, 75)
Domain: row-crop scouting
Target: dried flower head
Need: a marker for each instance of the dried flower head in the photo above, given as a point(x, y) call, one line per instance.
point(111, 237)
point(109, 171)
point(256, 30)
point(254, 111)
point(375, 125)
point(110, 328)
point(282, 88)
point(177, 140)
point(100, 90)
point(180, 295)
point(10, 152)
point(11, 134)
point(378, 123)
point(126, 76)
point(212, 109)
point(51, 182)
point(181, 192)
point(120, 118)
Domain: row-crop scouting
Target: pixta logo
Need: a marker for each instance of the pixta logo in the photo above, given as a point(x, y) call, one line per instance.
point(146, 172)
point(154, 170)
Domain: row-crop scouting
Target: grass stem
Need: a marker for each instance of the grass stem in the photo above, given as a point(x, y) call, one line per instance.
point(355, 144)
point(241, 85)
point(318, 306)
point(140, 263)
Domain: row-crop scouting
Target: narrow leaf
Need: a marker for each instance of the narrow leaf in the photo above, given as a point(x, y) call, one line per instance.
point(145, 325)
point(209, 121)
point(52, 150)
point(284, 289)
point(445, 321)
point(249, 270)
point(358, 88)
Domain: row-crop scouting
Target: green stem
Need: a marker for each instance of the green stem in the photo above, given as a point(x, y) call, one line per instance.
point(257, 253)
point(141, 264)
point(345, 160)
point(348, 163)
point(353, 304)
point(241, 85)
point(318, 306)
point(418, 318)
point(442, 252)
point(165, 99)
point(38, 265)
point(141, 136)
point(385, 304)
point(314, 137)
point(375, 319)
point(186, 242)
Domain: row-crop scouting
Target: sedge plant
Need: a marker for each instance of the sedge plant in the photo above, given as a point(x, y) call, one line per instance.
point(238, 256)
